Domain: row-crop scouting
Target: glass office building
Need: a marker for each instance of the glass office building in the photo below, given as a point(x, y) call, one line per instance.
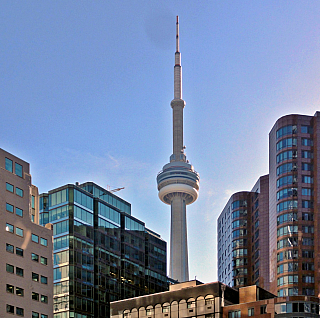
point(101, 252)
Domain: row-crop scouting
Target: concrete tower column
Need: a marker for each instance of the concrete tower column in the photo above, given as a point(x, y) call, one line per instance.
point(178, 243)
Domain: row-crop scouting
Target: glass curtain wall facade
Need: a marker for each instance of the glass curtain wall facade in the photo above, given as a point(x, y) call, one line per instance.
point(101, 252)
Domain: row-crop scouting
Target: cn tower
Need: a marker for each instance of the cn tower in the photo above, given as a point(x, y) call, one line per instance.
point(178, 182)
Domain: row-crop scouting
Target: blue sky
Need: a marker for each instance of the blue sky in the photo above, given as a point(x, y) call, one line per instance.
point(85, 91)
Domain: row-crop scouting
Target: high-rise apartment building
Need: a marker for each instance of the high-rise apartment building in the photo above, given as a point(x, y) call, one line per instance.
point(178, 182)
point(26, 247)
point(101, 252)
point(294, 202)
point(290, 219)
point(243, 238)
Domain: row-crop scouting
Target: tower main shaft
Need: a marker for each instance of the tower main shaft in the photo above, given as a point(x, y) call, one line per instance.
point(178, 183)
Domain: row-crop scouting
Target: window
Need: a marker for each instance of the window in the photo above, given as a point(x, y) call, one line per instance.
point(284, 143)
point(308, 291)
point(43, 260)
point(61, 227)
point(35, 257)
point(307, 266)
point(18, 169)
point(19, 311)
point(191, 304)
point(239, 252)
point(307, 216)
point(263, 309)
point(307, 154)
point(19, 271)
point(238, 223)
point(19, 251)
point(286, 167)
point(291, 254)
point(44, 316)
point(9, 248)
point(307, 254)
point(35, 277)
point(307, 229)
point(9, 187)
point(19, 192)
point(19, 291)
point(10, 289)
point(239, 213)
point(238, 204)
point(287, 217)
point(287, 155)
point(44, 279)
point(286, 130)
point(286, 181)
point(234, 314)
point(308, 279)
point(10, 268)
point(306, 129)
point(35, 238)
point(286, 193)
point(9, 228)
point(209, 301)
point(250, 312)
point(287, 267)
point(43, 242)
point(35, 315)
point(19, 212)
point(307, 204)
point(306, 142)
point(33, 202)
point(307, 179)
point(287, 205)
point(19, 231)
point(287, 242)
point(9, 207)
point(9, 165)
point(306, 191)
point(35, 296)
point(307, 166)
point(10, 309)
point(237, 233)
point(44, 299)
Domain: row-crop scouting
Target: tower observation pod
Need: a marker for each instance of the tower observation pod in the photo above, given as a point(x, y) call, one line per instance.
point(178, 182)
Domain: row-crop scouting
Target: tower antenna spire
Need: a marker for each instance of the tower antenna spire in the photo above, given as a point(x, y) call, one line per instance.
point(177, 35)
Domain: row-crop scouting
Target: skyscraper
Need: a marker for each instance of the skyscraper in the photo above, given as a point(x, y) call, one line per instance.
point(178, 182)
point(101, 252)
point(291, 219)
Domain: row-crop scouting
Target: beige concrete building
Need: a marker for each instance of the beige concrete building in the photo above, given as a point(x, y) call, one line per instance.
point(188, 299)
point(215, 300)
point(26, 247)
